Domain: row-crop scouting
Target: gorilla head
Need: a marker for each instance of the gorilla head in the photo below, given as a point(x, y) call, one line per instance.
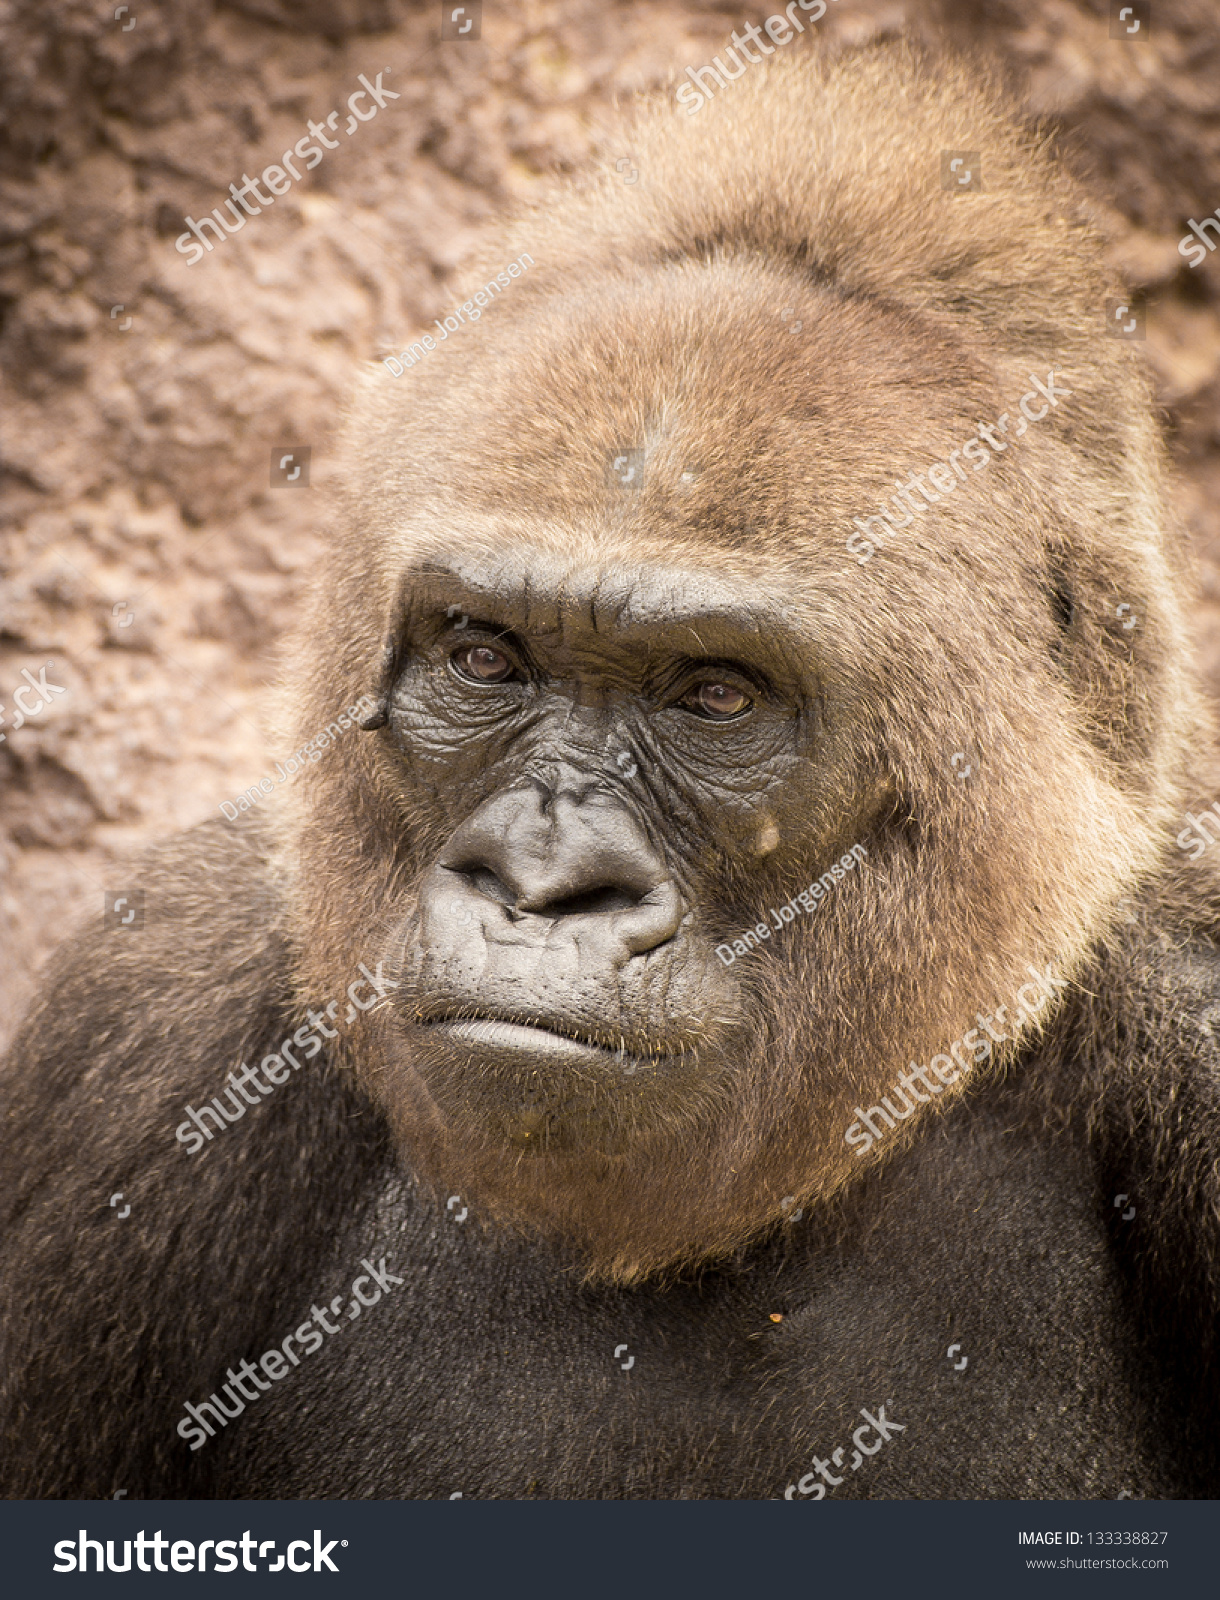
point(637, 692)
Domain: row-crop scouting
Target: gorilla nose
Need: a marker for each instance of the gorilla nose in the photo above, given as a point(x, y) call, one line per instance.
point(561, 857)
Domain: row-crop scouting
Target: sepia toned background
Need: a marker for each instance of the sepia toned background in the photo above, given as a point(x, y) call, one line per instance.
point(146, 561)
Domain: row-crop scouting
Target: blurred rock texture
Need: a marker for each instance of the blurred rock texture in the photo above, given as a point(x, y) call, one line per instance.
point(145, 560)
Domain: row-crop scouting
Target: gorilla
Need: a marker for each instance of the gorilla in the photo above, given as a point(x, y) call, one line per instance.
point(735, 1017)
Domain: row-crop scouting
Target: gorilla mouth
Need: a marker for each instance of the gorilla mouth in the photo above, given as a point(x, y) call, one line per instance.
point(545, 1084)
point(562, 1043)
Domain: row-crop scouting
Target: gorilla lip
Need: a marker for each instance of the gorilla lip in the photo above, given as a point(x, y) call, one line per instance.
point(505, 1033)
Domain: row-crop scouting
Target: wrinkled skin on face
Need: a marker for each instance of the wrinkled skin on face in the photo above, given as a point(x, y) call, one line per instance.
point(599, 760)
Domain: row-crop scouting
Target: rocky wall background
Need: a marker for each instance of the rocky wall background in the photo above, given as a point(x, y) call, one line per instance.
point(148, 564)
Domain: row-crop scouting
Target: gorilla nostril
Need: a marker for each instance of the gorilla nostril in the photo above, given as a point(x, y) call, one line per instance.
point(588, 902)
point(542, 902)
point(487, 883)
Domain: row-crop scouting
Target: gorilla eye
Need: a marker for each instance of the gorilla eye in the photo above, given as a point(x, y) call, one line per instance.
point(481, 663)
point(719, 701)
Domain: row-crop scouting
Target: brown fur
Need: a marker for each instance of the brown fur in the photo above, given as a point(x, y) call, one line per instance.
point(652, 319)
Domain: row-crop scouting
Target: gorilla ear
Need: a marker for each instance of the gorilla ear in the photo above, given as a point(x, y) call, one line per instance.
point(1063, 604)
point(1070, 601)
point(381, 688)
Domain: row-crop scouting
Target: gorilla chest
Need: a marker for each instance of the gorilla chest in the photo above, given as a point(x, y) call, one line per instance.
point(976, 1351)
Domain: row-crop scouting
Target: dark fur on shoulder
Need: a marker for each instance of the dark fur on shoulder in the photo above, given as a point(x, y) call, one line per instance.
point(104, 1319)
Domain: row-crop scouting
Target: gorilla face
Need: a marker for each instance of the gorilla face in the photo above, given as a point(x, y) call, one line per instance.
point(594, 757)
